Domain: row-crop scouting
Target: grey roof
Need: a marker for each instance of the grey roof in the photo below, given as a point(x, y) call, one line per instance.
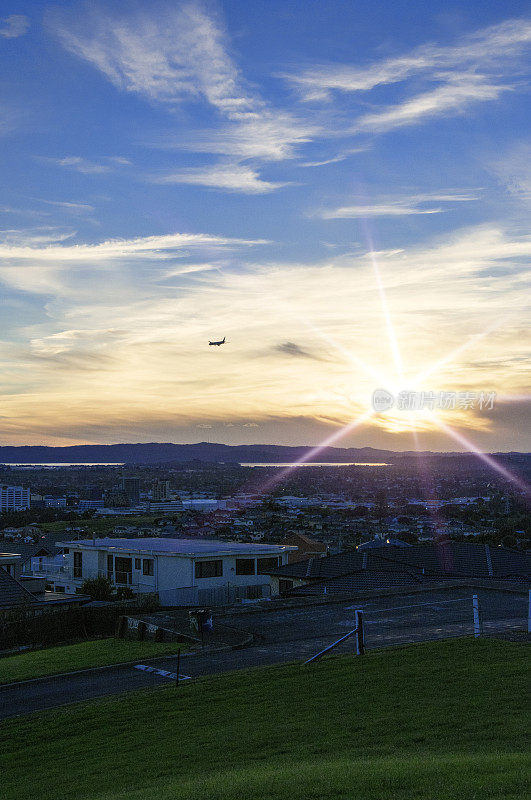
point(12, 593)
point(368, 579)
point(182, 547)
point(27, 550)
point(436, 559)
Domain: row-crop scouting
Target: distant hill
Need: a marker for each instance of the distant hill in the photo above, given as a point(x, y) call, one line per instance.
point(157, 453)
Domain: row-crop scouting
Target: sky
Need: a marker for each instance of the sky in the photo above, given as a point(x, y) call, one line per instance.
point(340, 189)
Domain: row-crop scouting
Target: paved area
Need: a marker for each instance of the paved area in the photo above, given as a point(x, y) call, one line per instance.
point(292, 634)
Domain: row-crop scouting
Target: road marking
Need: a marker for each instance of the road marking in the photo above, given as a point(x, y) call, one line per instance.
point(164, 673)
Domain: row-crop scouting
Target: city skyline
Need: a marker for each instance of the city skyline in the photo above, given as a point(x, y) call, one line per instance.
point(341, 191)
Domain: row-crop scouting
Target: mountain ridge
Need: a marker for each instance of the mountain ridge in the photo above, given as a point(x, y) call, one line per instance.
point(166, 452)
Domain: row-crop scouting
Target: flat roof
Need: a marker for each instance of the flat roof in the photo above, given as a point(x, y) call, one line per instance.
point(181, 547)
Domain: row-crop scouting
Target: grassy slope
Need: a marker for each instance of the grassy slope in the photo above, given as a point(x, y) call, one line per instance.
point(69, 657)
point(440, 720)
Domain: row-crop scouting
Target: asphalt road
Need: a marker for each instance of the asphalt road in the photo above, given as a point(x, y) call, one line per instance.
point(288, 635)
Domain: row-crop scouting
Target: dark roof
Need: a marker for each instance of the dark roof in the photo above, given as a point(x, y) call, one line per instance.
point(383, 543)
point(368, 579)
point(26, 550)
point(12, 593)
point(435, 559)
point(461, 559)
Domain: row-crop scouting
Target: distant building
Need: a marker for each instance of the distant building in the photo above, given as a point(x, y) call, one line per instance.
point(54, 502)
point(130, 487)
point(90, 505)
point(160, 491)
point(14, 498)
point(165, 505)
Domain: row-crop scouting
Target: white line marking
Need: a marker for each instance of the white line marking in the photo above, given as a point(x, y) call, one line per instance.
point(164, 673)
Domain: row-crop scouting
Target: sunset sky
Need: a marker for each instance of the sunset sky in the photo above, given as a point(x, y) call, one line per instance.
point(341, 188)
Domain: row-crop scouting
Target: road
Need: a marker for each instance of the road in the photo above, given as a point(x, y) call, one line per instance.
point(288, 635)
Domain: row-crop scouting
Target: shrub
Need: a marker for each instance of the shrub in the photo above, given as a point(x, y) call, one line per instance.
point(124, 593)
point(98, 588)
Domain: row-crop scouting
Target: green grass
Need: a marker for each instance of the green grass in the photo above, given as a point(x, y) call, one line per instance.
point(66, 658)
point(438, 721)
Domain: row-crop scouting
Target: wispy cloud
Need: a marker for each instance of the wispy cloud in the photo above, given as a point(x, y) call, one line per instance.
point(454, 95)
point(14, 26)
point(265, 134)
point(84, 165)
point(75, 208)
point(394, 207)
point(513, 170)
point(485, 48)
point(170, 55)
point(149, 247)
point(478, 68)
point(226, 177)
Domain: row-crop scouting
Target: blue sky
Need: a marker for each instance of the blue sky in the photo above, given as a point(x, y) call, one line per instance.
point(342, 189)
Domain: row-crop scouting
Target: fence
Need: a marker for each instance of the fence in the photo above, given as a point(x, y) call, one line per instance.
point(395, 621)
point(217, 596)
point(30, 626)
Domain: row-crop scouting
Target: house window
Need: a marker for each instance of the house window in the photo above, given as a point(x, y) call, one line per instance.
point(78, 564)
point(137, 563)
point(209, 569)
point(123, 570)
point(284, 586)
point(245, 566)
point(148, 567)
point(110, 566)
point(265, 565)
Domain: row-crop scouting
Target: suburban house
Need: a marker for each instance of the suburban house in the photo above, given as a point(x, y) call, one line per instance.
point(28, 591)
point(180, 571)
point(306, 547)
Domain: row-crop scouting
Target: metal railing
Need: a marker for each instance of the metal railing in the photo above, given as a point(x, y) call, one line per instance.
point(360, 644)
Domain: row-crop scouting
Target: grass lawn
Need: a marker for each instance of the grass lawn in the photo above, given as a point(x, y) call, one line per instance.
point(437, 721)
point(66, 658)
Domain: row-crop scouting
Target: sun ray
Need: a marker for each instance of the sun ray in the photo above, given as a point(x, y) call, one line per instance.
point(449, 357)
point(487, 459)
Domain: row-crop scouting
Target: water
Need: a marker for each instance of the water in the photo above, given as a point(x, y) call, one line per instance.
point(318, 464)
point(25, 465)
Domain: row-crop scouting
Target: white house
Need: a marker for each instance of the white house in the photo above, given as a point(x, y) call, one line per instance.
point(180, 571)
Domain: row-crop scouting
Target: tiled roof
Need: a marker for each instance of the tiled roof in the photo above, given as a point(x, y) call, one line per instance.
point(368, 579)
point(437, 559)
point(12, 593)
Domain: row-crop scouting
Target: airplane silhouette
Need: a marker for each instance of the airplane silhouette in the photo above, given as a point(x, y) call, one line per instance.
point(217, 344)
